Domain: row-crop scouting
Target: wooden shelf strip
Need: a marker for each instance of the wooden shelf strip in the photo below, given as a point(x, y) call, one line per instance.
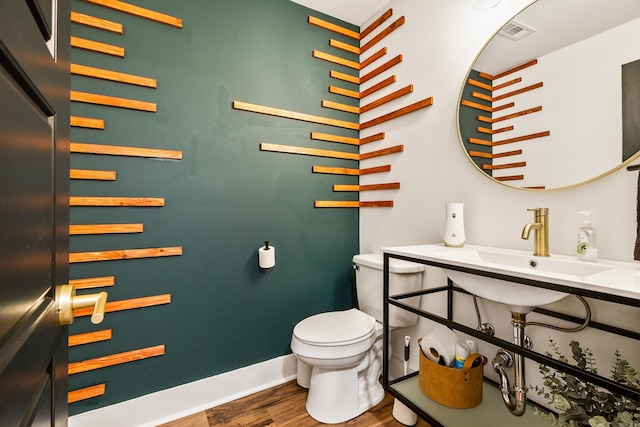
point(93, 282)
point(117, 150)
point(86, 122)
point(95, 46)
point(335, 59)
point(375, 24)
point(512, 116)
point(333, 27)
point(352, 204)
point(522, 138)
point(123, 254)
point(479, 84)
point(388, 98)
point(92, 21)
point(382, 152)
point(81, 229)
point(509, 71)
point(349, 171)
point(340, 107)
point(373, 58)
point(505, 166)
point(509, 83)
point(344, 46)
point(115, 359)
point(372, 138)
point(482, 96)
point(381, 69)
point(384, 33)
point(90, 337)
point(116, 201)
point(139, 11)
point(494, 131)
point(375, 169)
point(128, 304)
point(100, 73)
point(509, 178)
point(86, 393)
point(245, 106)
point(503, 107)
point(371, 187)
point(476, 106)
point(92, 174)
point(382, 84)
point(345, 77)
point(398, 113)
point(334, 138)
point(518, 91)
point(345, 92)
point(290, 149)
point(112, 101)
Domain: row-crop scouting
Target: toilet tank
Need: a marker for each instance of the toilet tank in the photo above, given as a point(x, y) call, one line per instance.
point(404, 277)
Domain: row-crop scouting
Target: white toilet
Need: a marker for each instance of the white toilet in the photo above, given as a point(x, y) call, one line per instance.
point(339, 354)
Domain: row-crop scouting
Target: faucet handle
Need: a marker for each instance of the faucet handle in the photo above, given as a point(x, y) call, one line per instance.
point(539, 211)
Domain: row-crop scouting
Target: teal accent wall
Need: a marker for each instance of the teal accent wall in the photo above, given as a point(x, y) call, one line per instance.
point(468, 119)
point(222, 200)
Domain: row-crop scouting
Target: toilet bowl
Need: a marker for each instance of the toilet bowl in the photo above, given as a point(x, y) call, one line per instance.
point(339, 354)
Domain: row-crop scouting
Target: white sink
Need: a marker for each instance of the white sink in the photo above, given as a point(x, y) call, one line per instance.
point(611, 277)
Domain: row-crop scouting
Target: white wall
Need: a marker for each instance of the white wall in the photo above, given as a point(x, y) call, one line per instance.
point(439, 41)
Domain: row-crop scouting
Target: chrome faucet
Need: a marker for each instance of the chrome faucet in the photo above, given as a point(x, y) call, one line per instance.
point(541, 229)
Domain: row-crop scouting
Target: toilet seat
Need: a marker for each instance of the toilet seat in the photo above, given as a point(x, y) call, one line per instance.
point(336, 328)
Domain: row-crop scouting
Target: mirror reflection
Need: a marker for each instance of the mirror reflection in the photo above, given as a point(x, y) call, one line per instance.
point(553, 99)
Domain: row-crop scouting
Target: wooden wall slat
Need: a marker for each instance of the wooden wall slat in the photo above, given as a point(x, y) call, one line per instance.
point(333, 27)
point(479, 84)
point(518, 114)
point(384, 33)
point(518, 91)
point(114, 76)
point(340, 107)
point(344, 46)
point(505, 84)
point(505, 166)
point(86, 122)
point(115, 201)
point(115, 359)
point(238, 105)
point(290, 149)
point(95, 46)
point(353, 204)
point(381, 69)
point(503, 107)
point(382, 84)
point(92, 174)
point(112, 101)
point(117, 150)
point(334, 138)
point(398, 113)
point(90, 337)
point(82, 229)
point(335, 170)
point(372, 138)
point(476, 106)
point(375, 169)
point(370, 187)
point(382, 152)
point(370, 60)
point(92, 21)
point(335, 59)
point(86, 393)
point(376, 23)
point(139, 11)
point(345, 77)
point(93, 282)
point(345, 92)
point(128, 304)
point(123, 254)
point(388, 98)
point(522, 138)
point(509, 71)
point(509, 178)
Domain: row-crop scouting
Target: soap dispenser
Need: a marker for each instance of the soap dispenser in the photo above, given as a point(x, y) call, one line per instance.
point(587, 249)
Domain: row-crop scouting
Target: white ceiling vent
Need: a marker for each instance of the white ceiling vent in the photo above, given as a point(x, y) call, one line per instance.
point(515, 30)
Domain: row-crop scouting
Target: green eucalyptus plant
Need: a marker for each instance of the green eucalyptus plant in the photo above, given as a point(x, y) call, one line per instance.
point(580, 403)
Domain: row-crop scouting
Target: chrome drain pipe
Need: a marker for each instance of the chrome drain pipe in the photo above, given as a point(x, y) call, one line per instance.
point(514, 398)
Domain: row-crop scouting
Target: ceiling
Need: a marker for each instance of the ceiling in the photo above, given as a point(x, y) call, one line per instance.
point(355, 12)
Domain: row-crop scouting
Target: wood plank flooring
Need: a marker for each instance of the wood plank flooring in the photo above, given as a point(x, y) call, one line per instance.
point(280, 406)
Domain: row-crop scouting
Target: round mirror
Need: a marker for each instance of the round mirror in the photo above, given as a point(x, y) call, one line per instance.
point(553, 99)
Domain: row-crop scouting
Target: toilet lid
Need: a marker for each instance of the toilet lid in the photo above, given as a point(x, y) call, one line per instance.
point(336, 327)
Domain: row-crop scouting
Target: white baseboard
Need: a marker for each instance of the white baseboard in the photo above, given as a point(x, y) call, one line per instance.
point(171, 404)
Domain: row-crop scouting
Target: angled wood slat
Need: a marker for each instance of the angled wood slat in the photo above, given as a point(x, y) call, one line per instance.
point(115, 359)
point(128, 304)
point(117, 150)
point(370, 60)
point(384, 33)
point(482, 96)
point(238, 105)
point(350, 171)
point(370, 187)
point(86, 393)
point(509, 83)
point(509, 71)
point(92, 21)
point(372, 138)
point(90, 337)
point(139, 11)
point(388, 98)
point(345, 77)
point(340, 107)
point(335, 59)
point(92, 174)
point(480, 84)
point(353, 204)
point(334, 138)
point(382, 152)
point(510, 178)
point(93, 282)
point(376, 23)
point(123, 254)
point(476, 106)
point(382, 84)
point(398, 113)
point(116, 201)
point(522, 138)
point(503, 107)
point(505, 166)
point(86, 122)
point(344, 46)
point(518, 91)
point(78, 229)
point(112, 101)
point(290, 149)
point(101, 73)
point(494, 131)
point(95, 46)
point(381, 69)
point(344, 92)
point(333, 27)
point(510, 116)
point(375, 169)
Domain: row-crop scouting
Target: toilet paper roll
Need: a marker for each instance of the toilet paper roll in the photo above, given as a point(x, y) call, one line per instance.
point(267, 256)
point(439, 346)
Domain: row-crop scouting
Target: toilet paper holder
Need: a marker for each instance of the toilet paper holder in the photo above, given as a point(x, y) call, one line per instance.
point(266, 256)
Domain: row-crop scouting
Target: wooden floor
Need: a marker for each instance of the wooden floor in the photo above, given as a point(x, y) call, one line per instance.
point(282, 406)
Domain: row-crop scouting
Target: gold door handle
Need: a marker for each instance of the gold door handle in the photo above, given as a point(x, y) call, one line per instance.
point(68, 301)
